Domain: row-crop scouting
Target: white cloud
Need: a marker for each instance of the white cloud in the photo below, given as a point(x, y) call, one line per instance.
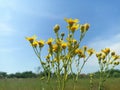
point(112, 42)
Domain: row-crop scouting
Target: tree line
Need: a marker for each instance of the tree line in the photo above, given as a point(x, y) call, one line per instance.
point(29, 74)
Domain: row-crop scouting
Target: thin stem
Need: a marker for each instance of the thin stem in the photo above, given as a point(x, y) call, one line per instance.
point(81, 67)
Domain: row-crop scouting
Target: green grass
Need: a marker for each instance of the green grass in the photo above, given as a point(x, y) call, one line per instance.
point(37, 84)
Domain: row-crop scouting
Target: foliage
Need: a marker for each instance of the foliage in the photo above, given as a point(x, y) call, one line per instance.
point(27, 74)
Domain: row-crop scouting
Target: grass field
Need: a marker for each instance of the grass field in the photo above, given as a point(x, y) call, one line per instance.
point(37, 84)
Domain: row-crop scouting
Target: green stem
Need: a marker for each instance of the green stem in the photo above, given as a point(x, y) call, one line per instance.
point(101, 77)
point(81, 67)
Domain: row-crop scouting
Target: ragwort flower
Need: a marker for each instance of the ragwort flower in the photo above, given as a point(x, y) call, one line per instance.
point(64, 45)
point(55, 47)
point(90, 51)
point(41, 43)
point(35, 44)
point(31, 39)
point(50, 40)
point(71, 21)
point(74, 27)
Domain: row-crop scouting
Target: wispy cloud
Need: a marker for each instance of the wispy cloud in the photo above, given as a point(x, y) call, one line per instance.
point(112, 42)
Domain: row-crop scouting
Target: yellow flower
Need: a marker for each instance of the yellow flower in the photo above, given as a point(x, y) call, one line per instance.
point(106, 51)
point(103, 56)
point(31, 39)
point(64, 45)
point(55, 47)
point(34, 44)
point(90, 51)
point(115, 57)
point(98, 54)
point(79, 51)
point(41, 43)
point(48, 56)
point(82, 56)
point(56, 28)
point(71, 21)
point(50, 40)
point(76, 51)
point(59, 42)
point(74, 27)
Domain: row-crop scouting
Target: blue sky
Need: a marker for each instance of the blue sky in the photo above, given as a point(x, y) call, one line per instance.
point(21, 18)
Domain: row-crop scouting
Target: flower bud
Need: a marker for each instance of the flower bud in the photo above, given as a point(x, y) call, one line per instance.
point(116, 63)
point(74, 41)
point(85, 48)
point(87, 26)
point(104, 61)
point(62, 34)
point(99, 58)
point(112, 53)
point(82, 28)
point(56, 28)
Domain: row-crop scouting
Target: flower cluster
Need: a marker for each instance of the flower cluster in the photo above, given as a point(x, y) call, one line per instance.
point(35, 42)
point(63, 52)
point(108, 57)
point(107, 60)
point(66, 52)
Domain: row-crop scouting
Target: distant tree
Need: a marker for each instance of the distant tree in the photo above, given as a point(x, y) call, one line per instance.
point(113, 73)
point(28, 74)
point(18, 75)
point(11, 76)
point(116, 74)
point(3, 74)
